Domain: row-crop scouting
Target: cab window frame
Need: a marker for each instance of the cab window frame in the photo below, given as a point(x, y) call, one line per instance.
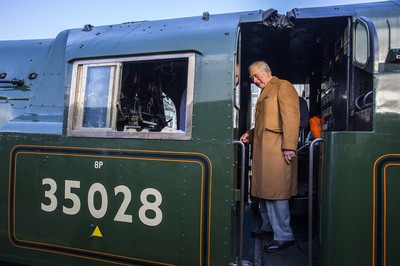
point(361, 44)
point(108, 129)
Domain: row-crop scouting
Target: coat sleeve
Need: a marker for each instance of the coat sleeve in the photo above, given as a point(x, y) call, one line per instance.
point(289, 111)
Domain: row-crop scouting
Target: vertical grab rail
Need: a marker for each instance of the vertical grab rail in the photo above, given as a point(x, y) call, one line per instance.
point(310, 196)
point(242, 176)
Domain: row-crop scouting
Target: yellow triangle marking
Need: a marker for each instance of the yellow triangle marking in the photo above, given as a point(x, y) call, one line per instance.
point(97, 232)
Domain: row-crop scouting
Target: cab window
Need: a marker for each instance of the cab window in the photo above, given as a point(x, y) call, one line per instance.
point(137, 97)
point(361, 44)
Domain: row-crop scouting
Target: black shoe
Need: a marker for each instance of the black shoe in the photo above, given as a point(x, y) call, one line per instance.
point(278, 245)
point(258, 233)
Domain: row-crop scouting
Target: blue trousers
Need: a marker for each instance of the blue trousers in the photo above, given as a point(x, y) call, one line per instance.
point(275, 216)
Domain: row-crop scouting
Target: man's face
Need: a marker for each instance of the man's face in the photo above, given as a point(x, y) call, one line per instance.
point(258, 77)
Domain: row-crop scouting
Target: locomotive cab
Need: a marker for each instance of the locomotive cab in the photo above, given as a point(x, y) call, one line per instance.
point(316, 55)
point(332, 57)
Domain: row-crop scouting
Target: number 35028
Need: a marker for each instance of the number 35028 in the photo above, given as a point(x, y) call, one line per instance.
point(99, 211)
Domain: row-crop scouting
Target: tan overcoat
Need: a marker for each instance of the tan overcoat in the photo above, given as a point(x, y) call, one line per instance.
point(277, 123)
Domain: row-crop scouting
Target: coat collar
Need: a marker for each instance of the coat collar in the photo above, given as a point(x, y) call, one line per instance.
point(265, 91)
point(271, 82)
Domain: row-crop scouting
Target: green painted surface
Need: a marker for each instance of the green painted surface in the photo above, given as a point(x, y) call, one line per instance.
point(352, 199)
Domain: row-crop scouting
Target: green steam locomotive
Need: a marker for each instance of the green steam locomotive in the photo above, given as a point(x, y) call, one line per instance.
point(119, 142)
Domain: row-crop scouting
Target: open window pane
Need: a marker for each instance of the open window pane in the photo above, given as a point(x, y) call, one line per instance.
point(151, 92)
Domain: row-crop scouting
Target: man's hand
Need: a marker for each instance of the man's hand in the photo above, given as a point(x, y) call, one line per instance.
point(245, 138)
point(289, 155)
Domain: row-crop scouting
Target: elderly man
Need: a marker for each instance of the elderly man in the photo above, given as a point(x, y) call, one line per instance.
point(274, 138)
